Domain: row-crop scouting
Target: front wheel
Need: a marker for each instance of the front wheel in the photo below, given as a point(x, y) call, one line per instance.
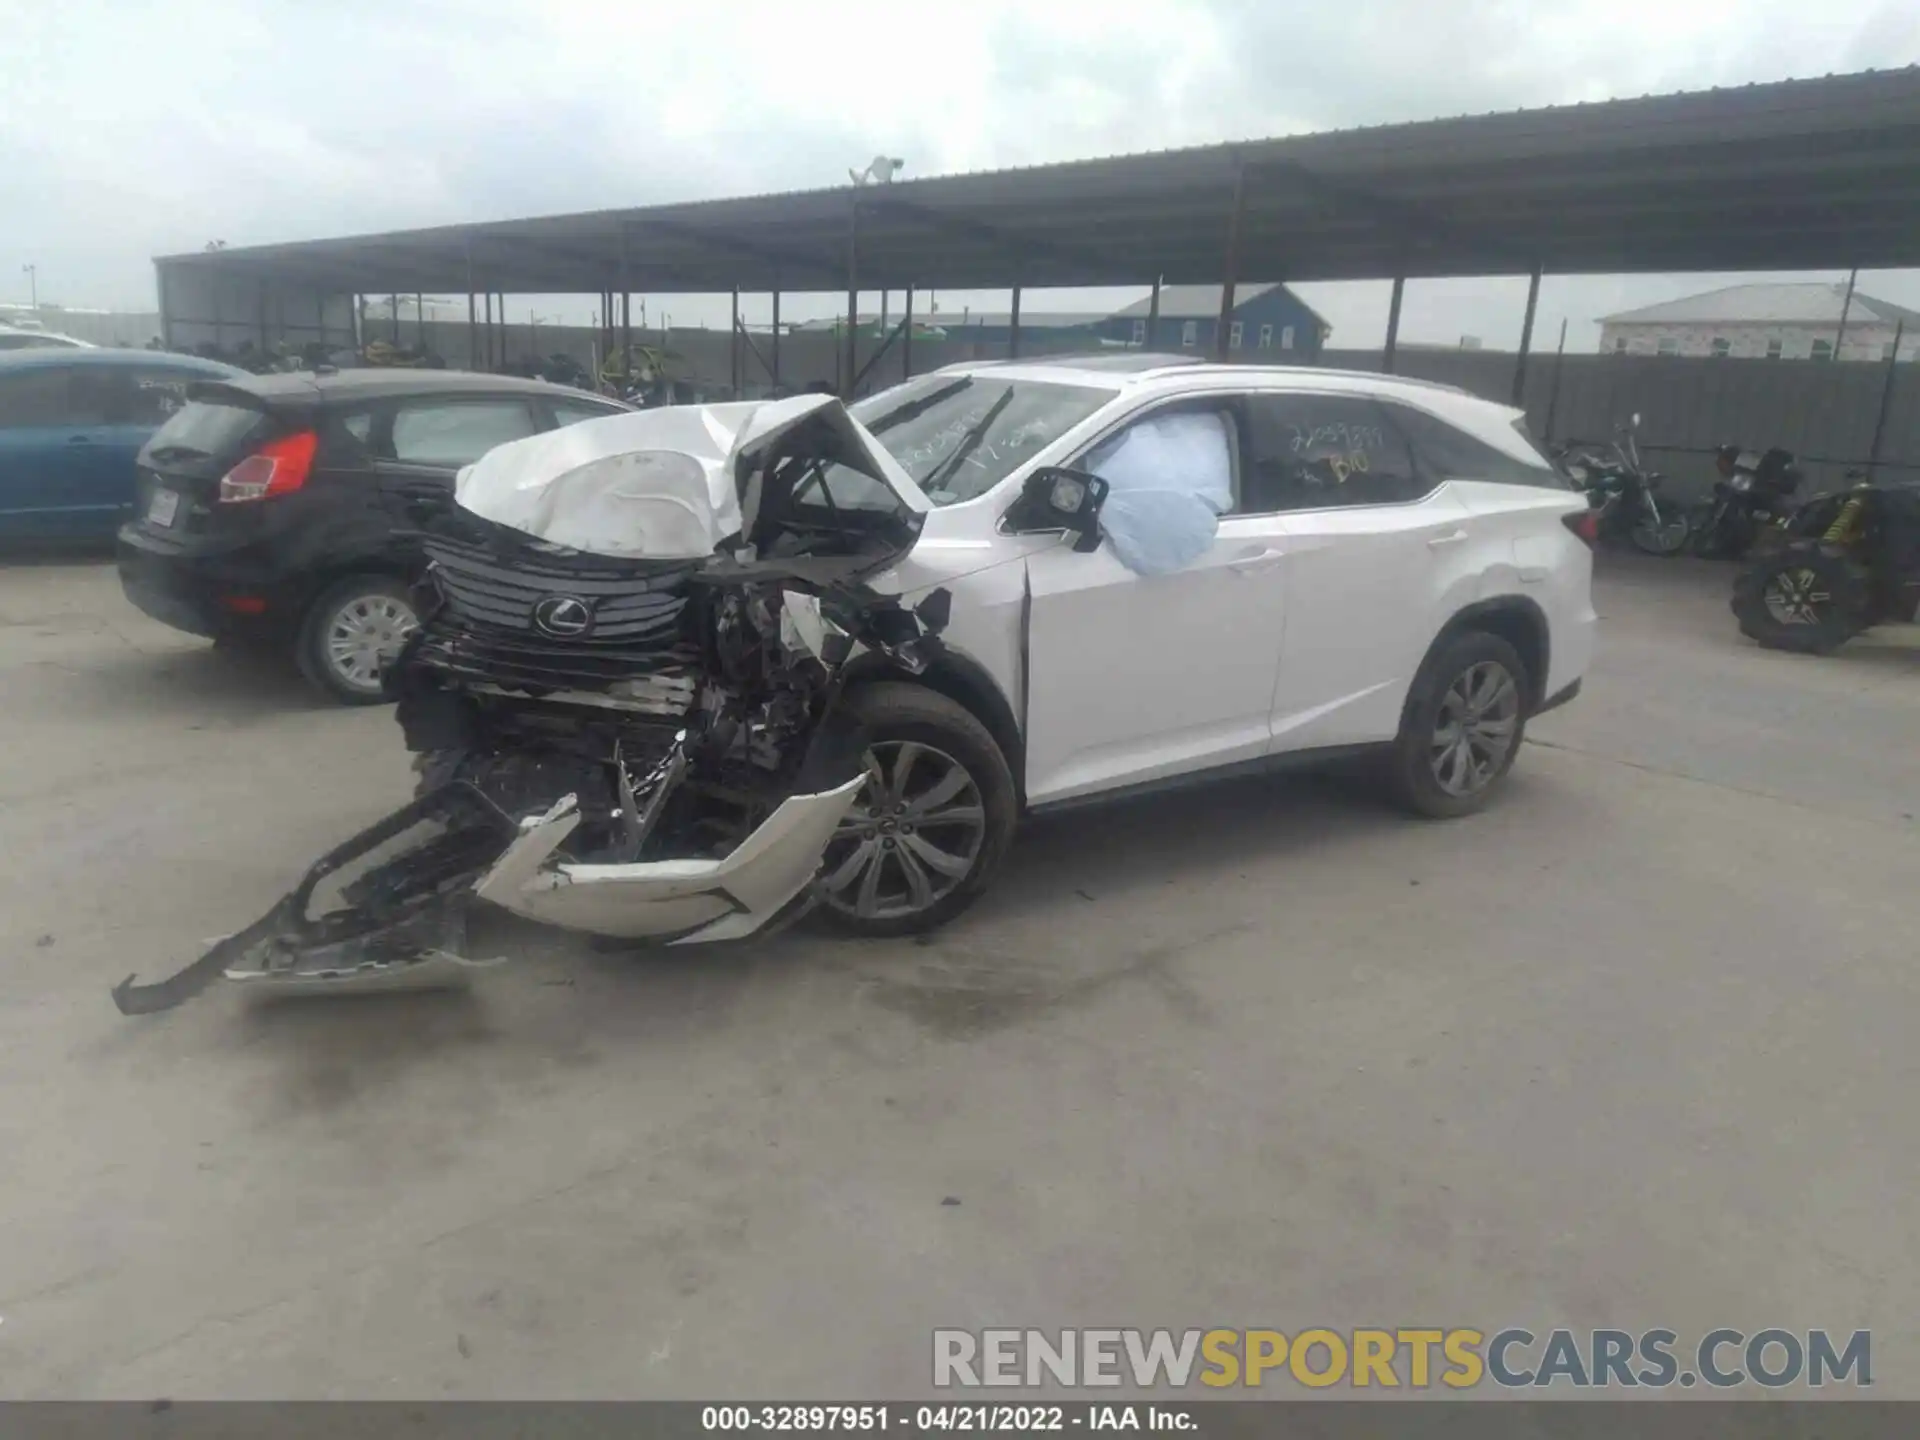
point(1657, 534)
point(926, 834)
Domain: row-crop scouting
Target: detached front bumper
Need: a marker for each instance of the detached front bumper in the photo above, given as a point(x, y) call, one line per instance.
point(683, 901)
point(403, 923)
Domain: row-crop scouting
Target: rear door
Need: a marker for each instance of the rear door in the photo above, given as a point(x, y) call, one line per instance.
point(57, 472)
point(1378, 554)
point(419, 444)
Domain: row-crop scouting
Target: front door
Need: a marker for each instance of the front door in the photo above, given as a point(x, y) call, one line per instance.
point(1135, 676)
point(57, 457)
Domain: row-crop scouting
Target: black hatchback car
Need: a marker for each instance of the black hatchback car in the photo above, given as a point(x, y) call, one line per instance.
point(287, 509)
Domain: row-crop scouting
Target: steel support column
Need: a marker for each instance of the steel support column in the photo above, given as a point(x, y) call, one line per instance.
point(1526, 338)
point(776, 334)
point(906, 339)
point(1153, 316)
point(852, 365)
point(486, 336)
point(420, 321)
point(1553, 395)
point(1846, 305)
point(1013, 332)
point(1393, 324)
point(1231, 270)
point(733, 349)
point(393, 319)
point(1886, 401)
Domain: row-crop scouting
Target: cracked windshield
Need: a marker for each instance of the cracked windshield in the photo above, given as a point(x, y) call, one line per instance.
point(808, 719)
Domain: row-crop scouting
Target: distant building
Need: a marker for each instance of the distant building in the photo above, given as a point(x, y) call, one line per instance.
point(1268, 320)
point(1764, 322)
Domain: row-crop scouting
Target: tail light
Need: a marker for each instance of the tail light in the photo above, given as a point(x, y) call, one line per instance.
point(277, 468)
point(1585, 524)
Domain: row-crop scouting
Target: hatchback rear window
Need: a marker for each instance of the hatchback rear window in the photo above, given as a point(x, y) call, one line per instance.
point(208, 428)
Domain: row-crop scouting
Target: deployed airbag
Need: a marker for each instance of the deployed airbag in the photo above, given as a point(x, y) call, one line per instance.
point(1170, 479)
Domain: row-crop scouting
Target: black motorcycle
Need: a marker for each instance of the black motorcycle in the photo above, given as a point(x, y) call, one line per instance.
point(1752, 494)
point(1620, 490)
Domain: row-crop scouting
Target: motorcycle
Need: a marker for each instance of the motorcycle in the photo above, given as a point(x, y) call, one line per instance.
point(1620, 490)
point(1751, 496)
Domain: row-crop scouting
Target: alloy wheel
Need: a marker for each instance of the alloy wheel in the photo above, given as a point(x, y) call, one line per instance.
point(364, 635)
point(912, 835)
point(1475, 732)
point(1796, 597)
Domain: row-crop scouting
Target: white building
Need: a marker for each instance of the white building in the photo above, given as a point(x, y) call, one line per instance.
point(1764, 322)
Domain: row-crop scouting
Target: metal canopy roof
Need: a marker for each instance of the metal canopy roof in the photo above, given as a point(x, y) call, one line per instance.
point(1803, 174)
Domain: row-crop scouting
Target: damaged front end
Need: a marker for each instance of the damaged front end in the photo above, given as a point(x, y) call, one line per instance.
point(623, 699)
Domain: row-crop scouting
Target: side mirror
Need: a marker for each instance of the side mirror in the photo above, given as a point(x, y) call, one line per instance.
point(1055, 498)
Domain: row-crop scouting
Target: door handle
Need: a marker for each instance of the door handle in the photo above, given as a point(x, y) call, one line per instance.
point(1255, 559)
point(1457, 537)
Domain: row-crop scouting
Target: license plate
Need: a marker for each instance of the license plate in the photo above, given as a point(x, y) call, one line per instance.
point(162, 507)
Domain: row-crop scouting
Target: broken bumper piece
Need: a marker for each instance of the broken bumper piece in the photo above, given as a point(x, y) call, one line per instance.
point(684, 901)
point(403, 923)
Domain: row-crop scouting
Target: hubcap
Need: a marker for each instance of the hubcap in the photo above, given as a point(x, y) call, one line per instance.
point(1796, 597)
point(1479, 719)
point(911, 836)
point(364, 635)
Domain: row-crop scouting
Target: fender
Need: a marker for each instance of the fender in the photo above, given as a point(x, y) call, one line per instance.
point(966, 682)
point(1517, 619)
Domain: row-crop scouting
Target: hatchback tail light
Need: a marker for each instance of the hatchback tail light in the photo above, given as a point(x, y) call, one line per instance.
point(1585, 524)
point(277, 468)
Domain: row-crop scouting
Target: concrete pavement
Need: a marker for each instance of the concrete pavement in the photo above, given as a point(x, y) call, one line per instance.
point(1634, 1047)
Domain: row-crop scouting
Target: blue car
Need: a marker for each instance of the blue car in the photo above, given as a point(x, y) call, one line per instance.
point(71, 423)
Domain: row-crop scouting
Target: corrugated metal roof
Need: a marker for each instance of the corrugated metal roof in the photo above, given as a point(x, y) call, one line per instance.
point(1802, 174)
point(1790, 304)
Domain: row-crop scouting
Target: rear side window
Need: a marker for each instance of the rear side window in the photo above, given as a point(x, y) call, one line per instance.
point(1448, 453)
point(209, 428)
point(155, 397)
point(1317, 452)
point(452, 433)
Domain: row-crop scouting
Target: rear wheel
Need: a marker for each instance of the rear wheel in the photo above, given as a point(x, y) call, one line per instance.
point(1465, 718)
point(1810, 597)
point(926, 834)
point(352, 633)
point(1665, 536)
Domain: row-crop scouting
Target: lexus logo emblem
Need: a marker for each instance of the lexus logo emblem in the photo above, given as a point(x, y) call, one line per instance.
point(563, 615)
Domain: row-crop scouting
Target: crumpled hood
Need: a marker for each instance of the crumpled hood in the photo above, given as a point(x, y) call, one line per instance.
point(655, 484)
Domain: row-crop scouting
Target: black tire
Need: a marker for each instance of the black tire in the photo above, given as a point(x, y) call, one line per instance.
point(311, 648)
point(1837, 591)
point(897, 715)
point(1412, 770)
point(1672, 538)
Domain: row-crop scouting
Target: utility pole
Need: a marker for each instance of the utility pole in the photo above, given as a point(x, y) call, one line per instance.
point(33, 286)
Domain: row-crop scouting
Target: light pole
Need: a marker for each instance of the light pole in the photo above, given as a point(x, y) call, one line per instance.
point(33, 286)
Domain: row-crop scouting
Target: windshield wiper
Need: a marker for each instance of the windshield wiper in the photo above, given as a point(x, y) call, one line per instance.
point(912, 408)
point(968, 444)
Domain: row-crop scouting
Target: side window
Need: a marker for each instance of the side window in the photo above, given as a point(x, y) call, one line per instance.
point(1266, 337)
point(451, 433)
point(34, 397)
point(1139, 332)
point(1286, 337)
point(1445, 452)
point(1190, 333)
point(572, 412)
point(1171, 478)
point(1315, 452)
point(156, 397)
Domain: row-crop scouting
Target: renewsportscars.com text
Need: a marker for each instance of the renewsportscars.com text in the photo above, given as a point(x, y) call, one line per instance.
point(1409, 1358)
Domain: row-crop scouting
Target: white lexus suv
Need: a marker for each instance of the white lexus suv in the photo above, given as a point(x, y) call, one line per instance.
point(684, 673)
point(1154, 571)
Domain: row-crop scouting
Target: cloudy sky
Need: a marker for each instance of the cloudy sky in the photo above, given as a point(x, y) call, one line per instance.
point(135, 127)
